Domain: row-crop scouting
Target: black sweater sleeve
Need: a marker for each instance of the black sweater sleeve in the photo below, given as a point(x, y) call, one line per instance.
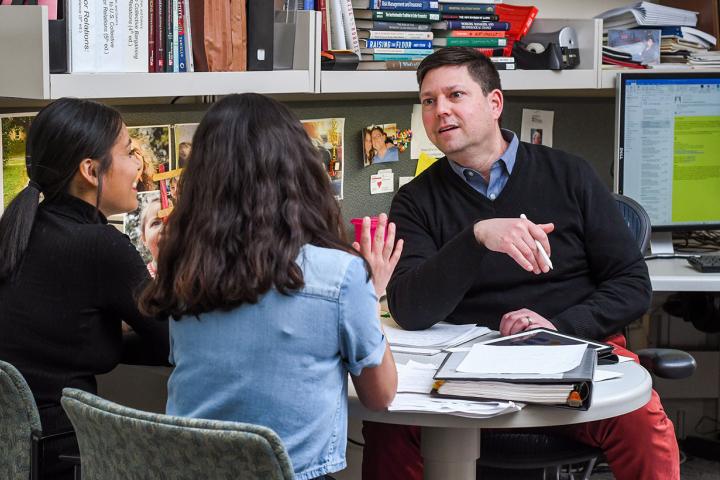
point(623, 286)
point(429, 280)
point(122, 276)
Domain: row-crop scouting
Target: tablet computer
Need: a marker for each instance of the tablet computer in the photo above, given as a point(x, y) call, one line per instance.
point(544, 336)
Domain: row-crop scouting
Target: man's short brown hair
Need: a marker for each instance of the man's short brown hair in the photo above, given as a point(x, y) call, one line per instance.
point(479, 66)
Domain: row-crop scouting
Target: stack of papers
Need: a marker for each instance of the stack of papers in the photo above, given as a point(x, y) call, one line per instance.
point(646, 13)
point(432, 340)
point(416, 402)
point(522, 359)
point(415, 377)
point(415, 382)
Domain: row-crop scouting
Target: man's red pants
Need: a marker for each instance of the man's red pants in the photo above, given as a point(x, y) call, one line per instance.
point(639, 445)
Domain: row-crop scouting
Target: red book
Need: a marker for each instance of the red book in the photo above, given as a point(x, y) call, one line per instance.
point(160, 35)
point(151, 37)
point(520, 18)
point(322, 8)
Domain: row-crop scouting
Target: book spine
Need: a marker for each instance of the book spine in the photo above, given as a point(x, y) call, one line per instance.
point(471, 42)
point(135, 16)
point(396, 56)
point(308, 5)
point(403, 51)
point(337, 29)
point(417, 5)
point(491, 52)
point(182, 42)
point(373, 43)
point(189, 57)
point(351, 36)
point(400, 26)
point(398, 16)
point(475, 33)
point(175, 37)
point(83, 35)
point(398, 35)
point(169, 45)
point(160, 35)
point(402, 64)
point(469, 1)
point(322, 8)
point(151, 37)
point(470, 18)
point(467, 9)
point(110, 54)
point(461, 25)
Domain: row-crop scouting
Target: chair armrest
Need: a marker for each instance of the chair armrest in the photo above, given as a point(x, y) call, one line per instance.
point(73, 459)
point(667, 363)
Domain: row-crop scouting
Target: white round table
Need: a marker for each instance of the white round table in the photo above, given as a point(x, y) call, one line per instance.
point(451, 444)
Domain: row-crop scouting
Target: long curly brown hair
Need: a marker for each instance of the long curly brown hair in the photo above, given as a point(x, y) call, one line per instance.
point(254, 191)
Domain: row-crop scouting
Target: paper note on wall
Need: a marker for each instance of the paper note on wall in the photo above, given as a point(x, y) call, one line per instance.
point(382, 182)
point(420, 142)
point(537, 127)
point(424, 162)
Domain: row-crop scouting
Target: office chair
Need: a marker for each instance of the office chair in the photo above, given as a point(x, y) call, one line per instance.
point(506, 453)
point(21, 437)
point(118, 442)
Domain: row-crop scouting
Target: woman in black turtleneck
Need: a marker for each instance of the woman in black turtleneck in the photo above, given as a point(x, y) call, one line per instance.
point(67, 278)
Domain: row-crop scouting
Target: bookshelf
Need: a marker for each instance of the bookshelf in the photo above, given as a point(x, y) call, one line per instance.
point(585, 76)
point(26, 72)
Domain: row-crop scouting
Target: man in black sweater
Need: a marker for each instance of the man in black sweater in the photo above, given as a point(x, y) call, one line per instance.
point(474, 225)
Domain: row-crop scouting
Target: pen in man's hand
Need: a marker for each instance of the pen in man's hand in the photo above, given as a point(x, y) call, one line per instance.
point(543, 253)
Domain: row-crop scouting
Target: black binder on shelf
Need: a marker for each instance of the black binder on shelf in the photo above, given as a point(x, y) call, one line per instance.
point(571, 389)
point(260, 34)
point(57, 36)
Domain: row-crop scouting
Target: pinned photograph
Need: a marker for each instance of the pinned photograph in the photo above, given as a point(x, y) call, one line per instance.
point(14, 130)
point(182, 140)
point(537, 127)
point(380, 144)
point(144, 228)
point(151, 144)
point(328, 136)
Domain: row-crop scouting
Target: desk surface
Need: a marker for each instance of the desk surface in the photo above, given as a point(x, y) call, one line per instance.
point(676, 275)
point(610, 398)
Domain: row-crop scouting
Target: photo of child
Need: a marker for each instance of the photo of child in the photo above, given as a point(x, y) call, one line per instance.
point(144, 228)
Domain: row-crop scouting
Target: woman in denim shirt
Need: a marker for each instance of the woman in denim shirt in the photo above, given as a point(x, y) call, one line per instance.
point(273, 306)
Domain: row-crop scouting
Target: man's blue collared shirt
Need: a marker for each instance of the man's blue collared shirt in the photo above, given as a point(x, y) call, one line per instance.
point(499, 172)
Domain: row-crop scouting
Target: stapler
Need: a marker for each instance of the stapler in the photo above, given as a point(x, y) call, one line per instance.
point(548, 51)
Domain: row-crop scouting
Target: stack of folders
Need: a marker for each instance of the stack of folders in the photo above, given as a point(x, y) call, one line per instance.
point(522, 369)
point(433, 340)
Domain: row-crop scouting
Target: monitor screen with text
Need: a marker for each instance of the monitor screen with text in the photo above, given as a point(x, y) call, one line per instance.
point(668, 147)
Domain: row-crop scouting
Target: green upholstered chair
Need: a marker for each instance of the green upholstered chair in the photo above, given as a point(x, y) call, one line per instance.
point(21, 437)
point(118, 442)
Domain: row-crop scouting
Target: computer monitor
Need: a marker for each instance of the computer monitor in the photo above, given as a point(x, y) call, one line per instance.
point(668, 149)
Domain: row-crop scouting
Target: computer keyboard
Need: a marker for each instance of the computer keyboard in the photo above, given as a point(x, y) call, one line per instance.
point(705, 263)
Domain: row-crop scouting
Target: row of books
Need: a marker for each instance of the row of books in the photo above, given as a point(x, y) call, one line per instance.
point(397, 34)
point(90, 36)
